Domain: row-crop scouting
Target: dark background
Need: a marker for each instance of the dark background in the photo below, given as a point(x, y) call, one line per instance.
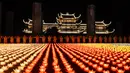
point(116, 11)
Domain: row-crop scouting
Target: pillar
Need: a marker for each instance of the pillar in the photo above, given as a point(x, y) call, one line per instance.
point(91, 20)
point(0, 18)
point(9, 23)
point(37, 18)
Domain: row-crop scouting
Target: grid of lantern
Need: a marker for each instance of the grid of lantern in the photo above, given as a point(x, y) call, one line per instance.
point(91, 58)
point(15, 57)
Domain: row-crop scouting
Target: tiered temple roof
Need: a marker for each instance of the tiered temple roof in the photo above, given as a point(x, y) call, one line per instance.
point(67, 23)
point(70, 18)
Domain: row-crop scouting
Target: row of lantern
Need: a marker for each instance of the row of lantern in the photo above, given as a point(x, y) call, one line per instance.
point(104, 62)
point(17, 58)
point(67, 66)
point(73, 39)
point(88, 58)
point(43, 67)
point(76, 61)
point(33, 63)
point(55, 64)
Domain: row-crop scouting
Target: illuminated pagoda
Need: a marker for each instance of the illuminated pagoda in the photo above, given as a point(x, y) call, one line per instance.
point(68, 24)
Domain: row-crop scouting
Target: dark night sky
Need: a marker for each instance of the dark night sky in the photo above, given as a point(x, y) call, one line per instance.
point(115, 11)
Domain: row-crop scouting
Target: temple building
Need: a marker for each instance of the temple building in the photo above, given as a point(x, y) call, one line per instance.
point(70, 24)
point(101, 27)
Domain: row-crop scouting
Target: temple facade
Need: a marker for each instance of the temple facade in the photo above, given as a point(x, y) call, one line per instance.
point(70, 24)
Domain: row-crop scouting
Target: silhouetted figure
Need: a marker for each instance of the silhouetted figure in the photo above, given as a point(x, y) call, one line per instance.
point(90, 39)
point(110, 39)
point(37, 39)
point(120, 39)
point(11, 39)
point(61, 39)
point(49, 39)
point(5, 39)
point(95, 39)
point(73, 39)
point(30, 39)
point(78, 39)
point(18, 39)
point(54, 39)
point(100, 39)
point(0, 39)
point(43, 39)
point(67, 39)
point(84, 39)
point(115, 39)
point(24, 39)
point(125, 39)
point(129, 39)
point(105, 39)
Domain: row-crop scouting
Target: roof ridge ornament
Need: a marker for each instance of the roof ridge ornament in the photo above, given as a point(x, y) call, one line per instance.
point(73, 14)
point(58, 15)
point(43, 21)
point(29, 19)
point(67, 13)
point(61, 13)
point(78, 16)
point(106, 24)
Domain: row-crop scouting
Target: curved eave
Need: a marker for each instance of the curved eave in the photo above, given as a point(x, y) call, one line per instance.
point(27, 31)
point(79, 23)
point(102, 22)
point(101, 25)
point(50, 23)
point(107, 32)
point(25, 22)
point(78, 17)
point(57, 20)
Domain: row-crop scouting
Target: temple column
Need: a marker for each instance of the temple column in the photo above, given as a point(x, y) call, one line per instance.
point(9, 23)
point(91, 20)
point(0, 18)
point(37, 18)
